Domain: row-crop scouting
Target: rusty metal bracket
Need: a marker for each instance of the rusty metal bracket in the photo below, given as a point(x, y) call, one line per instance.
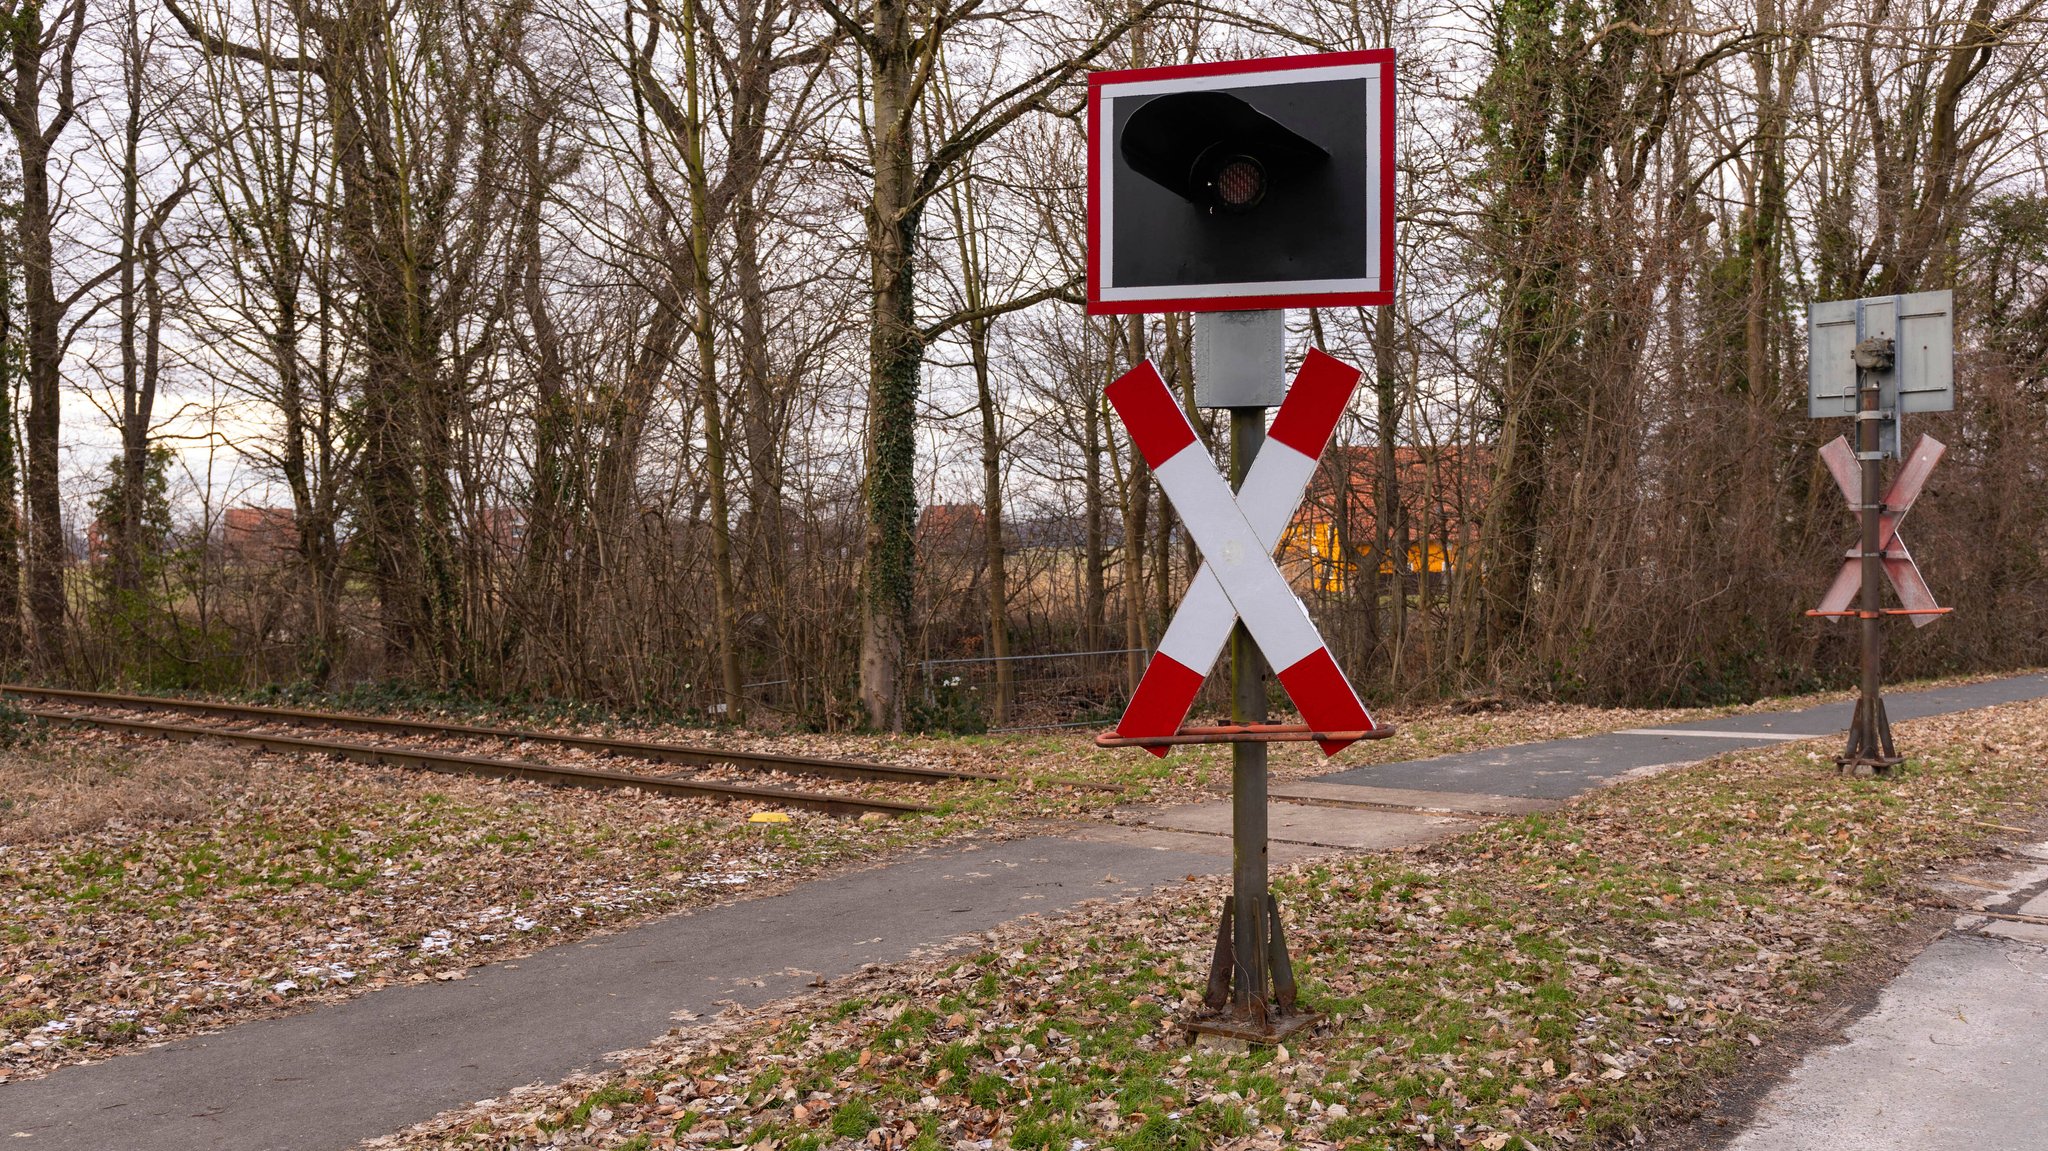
point(1223, 962)
point(1270, 1014)
point(1874, 354)
point(1276, 951)
point(1243, 733)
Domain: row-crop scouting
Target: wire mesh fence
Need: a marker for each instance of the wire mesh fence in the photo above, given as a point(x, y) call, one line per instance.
point(1040, 691)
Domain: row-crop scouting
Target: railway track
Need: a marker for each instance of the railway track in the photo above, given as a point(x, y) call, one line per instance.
point(89, 708)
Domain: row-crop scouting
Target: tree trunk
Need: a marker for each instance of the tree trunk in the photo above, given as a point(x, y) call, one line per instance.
point(544, 601)
point(992, 539)
point(124, 545)
point(895, 361)
point(1390, 519)
point(48, 550)
point(10, 515)
point(1095, 605)
point(723, 621)
point(1137, 499)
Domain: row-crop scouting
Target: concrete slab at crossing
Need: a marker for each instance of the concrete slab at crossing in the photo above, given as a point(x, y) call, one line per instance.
point(1950, 1057)
point(1360, 829)
point(1352, 794)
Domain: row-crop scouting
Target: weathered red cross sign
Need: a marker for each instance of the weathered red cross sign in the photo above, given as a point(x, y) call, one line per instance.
point(1899, 567)
point(1237, 533)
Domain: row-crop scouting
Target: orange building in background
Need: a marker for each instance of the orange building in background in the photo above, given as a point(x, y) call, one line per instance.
point(258, 535)
point(1442, 491)
point(957, 527)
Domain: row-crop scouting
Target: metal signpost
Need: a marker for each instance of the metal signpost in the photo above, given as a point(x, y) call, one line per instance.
point(1874, 360)
point(1236, 190)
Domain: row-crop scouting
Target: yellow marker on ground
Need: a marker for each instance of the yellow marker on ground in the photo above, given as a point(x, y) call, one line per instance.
point(769, 817)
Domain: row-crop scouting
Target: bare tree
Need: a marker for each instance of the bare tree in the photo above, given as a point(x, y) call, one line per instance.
point(39, 101)
point(900, 43)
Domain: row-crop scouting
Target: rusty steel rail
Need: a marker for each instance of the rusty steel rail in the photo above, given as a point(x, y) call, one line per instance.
point(558, 774)
point(632, 748)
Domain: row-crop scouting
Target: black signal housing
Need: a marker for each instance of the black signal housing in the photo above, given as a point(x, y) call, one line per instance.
point(1216, 151)
point(1241, 185)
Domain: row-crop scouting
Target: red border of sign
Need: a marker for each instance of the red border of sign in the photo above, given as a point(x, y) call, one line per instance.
point(1239, 68)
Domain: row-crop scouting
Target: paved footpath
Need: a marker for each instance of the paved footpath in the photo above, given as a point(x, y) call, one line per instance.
point(1950, 1057)
point(329, 1077)
point(1563, 768)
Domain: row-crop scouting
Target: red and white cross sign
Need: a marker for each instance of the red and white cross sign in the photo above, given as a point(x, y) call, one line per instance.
point(1237, 533)
point(1898, 500)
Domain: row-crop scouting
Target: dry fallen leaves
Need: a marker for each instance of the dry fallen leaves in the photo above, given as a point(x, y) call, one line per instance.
point(1542, 982)
point(149, 890)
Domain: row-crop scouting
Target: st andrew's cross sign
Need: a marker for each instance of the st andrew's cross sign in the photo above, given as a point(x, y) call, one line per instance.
point(1873, 360)
point(1237, 533)
point(1899, 569)
point(1235, 190)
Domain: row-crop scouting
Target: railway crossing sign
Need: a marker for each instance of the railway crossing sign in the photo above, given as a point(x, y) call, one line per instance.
point(1873, 360)
point(1243, 185)
point(1899, 569)
point(1237, 533)
point(1235, 190)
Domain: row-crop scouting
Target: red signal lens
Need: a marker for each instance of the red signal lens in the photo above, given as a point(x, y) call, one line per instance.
point(1241, 183)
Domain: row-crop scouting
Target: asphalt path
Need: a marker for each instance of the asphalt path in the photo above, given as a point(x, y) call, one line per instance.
point(1562, 768)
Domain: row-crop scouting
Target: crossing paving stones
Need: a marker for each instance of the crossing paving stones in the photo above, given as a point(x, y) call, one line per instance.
point(1360, 795)
point(1359, 829)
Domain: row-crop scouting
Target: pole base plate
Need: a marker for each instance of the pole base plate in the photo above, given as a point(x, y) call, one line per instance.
point(1228, 1026)
point(1870, 751)
point(1869, 767)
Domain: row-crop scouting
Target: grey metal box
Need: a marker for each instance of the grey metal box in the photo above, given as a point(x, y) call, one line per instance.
point(1240, 359)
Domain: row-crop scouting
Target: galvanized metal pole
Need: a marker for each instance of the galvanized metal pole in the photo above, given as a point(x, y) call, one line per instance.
point(1252, 974)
